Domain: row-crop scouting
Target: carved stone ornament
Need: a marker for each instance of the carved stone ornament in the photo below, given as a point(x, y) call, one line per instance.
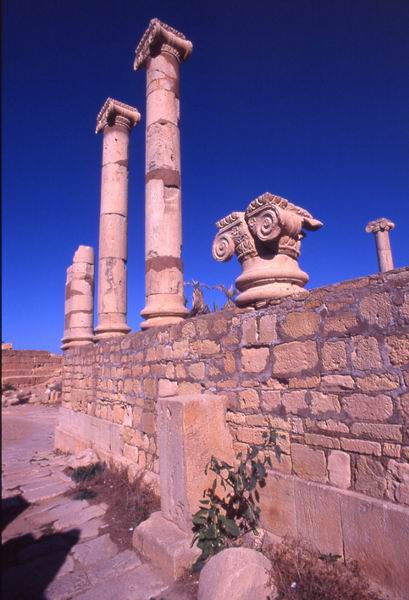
point(159, 38)
point(114, 112)
point(266, 239)
point(381, 224)
point(381, 228)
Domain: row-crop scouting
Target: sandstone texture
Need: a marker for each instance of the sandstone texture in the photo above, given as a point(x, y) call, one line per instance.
point(115, 120)
point(33, 376)
point(163, 194)
point(237, 574)
point(334, 389)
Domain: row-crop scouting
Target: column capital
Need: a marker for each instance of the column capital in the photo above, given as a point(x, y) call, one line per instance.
point(266, 239)
point(159, 38)
point(114, 112)
point(381, 224)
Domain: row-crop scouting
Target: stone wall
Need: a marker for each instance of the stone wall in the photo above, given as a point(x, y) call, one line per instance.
point(328, 371)
point(29, 367)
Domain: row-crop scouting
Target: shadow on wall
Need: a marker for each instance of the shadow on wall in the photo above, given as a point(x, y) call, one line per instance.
point(29, 565)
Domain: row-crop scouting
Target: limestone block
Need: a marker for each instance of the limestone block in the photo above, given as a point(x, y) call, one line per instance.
point(294, 357)
point(334, 356)
point(113, 241)
point(191, 430)
point(376, 534)
point(361, 446)
point(254, 360)
point(114, 186)
point(318, 516)
point(236, 574)
point(164, 213)
point(309, 463)
point(112, 297)
point(398, 349)
point(79, 299)
point(370, 408)
point(339, 469)
point(167, 546)
point(300, 324)
point(162, 105)
point(365, 353)
point(267, 329)
point(162, 147)
point(277, 505)
point(115, 145)
point(376, 309)
point(162, 66)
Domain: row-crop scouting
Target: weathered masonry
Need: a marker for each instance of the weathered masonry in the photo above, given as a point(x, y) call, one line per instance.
point(328, 370)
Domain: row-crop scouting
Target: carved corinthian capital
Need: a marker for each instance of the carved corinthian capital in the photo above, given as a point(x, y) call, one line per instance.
point(158, 38)
point(266, 239)
point(114, 112)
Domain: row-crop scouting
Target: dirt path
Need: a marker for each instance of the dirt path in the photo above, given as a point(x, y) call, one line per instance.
point(55, 547)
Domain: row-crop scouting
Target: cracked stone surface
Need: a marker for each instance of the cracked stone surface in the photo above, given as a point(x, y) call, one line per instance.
point(55, 547)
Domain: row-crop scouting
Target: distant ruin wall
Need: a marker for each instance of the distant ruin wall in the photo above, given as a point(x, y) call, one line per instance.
point(328, 371)
point(29, 367)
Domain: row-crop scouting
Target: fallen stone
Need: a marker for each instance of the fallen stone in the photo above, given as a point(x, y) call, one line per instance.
point(94, 551)
point(167, 546)
point(83, 459)
point(236, 574)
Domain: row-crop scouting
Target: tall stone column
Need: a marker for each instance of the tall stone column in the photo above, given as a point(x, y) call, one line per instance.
point(161, 50)
point(115, 120)
point(380, 228)
point(79, 300)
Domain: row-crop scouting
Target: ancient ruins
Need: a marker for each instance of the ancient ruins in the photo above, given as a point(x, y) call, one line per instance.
point(380, 228)
point(116, 121)
point(326, 369)
point(267, 240)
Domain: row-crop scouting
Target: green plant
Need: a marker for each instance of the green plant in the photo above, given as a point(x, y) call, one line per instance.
point(224, 517)
point(82, 474)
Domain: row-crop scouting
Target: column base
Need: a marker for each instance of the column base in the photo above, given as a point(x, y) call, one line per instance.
point(267, 278)
point(167, 546)
point(162, 310)
point(74, 341)
point(103, 332)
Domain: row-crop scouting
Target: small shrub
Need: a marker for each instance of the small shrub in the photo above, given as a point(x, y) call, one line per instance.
point(7, 387)
point(128, 503)
point(300, 573)
point(83, 474)
point(221, 520)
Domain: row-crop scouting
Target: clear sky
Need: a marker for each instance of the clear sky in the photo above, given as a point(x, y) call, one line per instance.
point(307, 99)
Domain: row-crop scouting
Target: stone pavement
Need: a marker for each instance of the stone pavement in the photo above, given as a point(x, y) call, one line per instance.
point(55, 547)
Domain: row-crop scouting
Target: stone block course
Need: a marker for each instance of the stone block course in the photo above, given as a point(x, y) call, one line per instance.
point(327, 369)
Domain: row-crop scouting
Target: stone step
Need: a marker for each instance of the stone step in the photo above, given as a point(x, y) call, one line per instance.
point(25, 372)
point(26, 379)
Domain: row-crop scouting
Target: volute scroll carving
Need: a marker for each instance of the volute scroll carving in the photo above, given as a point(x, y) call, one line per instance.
point(234, 237)
point(266, 239)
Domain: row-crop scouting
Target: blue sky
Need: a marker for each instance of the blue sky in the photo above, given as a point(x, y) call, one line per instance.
point(305, 99)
